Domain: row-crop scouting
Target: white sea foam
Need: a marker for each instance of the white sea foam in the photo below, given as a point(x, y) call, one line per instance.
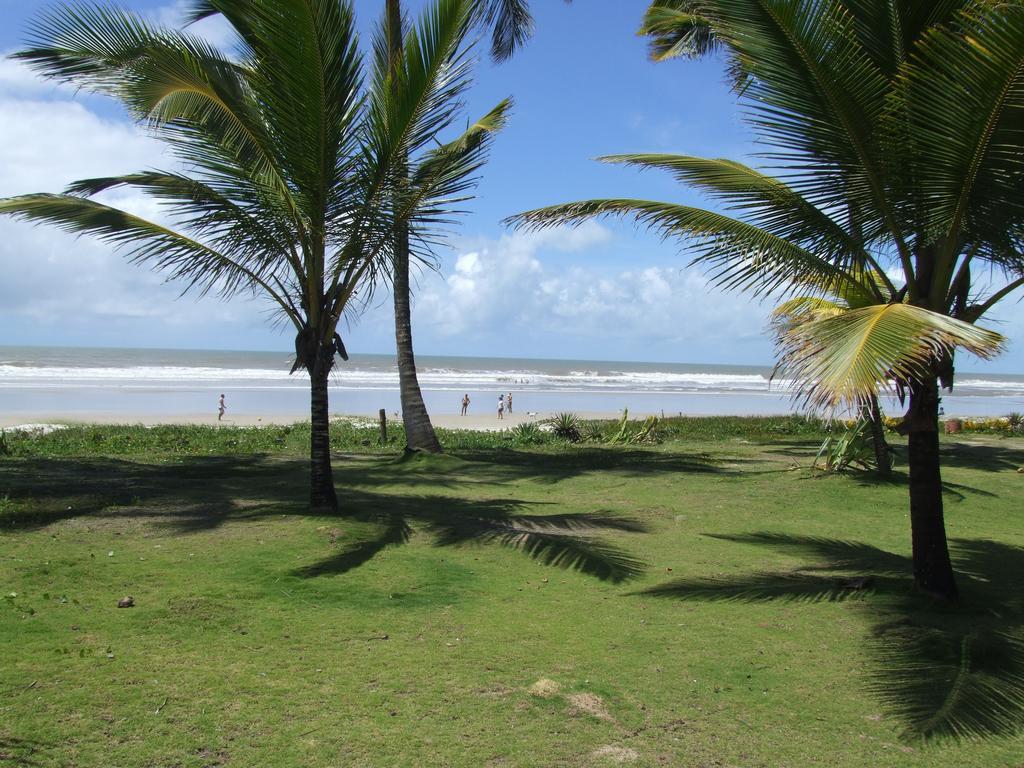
point(34, 429)
point(345, 376)
point(141, 373)
point(352, 376)
point(1016, 387)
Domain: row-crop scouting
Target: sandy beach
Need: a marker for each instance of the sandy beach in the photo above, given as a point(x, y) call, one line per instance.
point(133, 386)
point(447, 421)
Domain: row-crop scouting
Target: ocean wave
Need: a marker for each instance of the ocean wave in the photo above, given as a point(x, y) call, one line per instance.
point(148, 373)
point(1016, 387)
point(439, 378)
point(659, 380)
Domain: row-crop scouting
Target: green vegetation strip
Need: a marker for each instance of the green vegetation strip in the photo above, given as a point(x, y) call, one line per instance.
point(362, 436)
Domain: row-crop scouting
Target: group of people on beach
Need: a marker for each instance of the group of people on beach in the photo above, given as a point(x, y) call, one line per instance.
point(504, 403)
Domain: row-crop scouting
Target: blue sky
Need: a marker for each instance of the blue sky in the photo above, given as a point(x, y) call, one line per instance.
point(583, 87)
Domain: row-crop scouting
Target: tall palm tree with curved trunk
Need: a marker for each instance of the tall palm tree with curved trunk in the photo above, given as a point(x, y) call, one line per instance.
point(289, 155)
point(510, 24)
point(904, 118)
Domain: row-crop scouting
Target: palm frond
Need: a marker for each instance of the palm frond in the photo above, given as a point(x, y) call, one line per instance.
point(182, 258)
point(412, 99)
point(511, 25)
point(89, 45)
point(418, 96)
point(183, 89)
point(294, 173)
point(964, 95)
point(442, 178)
point(803, 308)
point(209, 213)
point(739, 255)
point(888, 30)
point(761, 200)
point(845, 358)
point(816, 97)
point(439, 182)
point(677, 28)
point(306, 77)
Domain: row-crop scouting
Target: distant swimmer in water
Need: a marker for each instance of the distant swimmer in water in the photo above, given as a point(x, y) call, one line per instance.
point(221, 408)
point(501, 406)
point(465, 403)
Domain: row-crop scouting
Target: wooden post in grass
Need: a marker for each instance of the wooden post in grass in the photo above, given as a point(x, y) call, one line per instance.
point(383, 427)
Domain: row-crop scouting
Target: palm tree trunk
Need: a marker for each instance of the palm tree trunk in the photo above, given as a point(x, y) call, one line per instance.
point(419, 432)
point(933, 571)
point(883, 457)
point(322, 497)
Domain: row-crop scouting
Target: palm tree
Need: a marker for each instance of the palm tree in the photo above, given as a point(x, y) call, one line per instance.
point(677, 28)
point(511, 25)
point(907, 119)
point(861, 289)
point(289, 158)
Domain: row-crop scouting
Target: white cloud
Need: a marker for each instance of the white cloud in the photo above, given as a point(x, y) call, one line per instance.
point(518, 286)
point(49, 278)
point(16, 78)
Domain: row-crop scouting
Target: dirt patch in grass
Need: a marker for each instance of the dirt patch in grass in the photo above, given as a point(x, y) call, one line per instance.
point(211, 758)
point(590, 704)
point(544, 688)
point(615, 755)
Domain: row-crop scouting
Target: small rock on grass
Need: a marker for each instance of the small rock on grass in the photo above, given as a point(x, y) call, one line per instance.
point(126, 602)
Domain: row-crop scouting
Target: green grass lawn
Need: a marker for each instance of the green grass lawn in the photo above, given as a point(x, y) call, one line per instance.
point(701, 615)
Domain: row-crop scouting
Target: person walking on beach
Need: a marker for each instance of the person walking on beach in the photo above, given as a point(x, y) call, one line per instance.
point(465, 403)
point(221, 408)
point(501, 406)
point(509, 402)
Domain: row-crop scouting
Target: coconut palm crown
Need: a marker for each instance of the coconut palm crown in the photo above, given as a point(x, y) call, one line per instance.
point(895, 131)
point(288, 148)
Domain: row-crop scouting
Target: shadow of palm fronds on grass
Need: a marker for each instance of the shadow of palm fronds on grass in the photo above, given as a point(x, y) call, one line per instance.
point(393, 530)
point(942, 670)
point(499, 466)
point(567, 541)
point(985, 457)
point(203, 491)
point(201, 494)
point(556, 467)
point(955, 454)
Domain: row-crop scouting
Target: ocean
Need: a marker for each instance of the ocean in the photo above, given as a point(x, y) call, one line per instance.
point(44, 382)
